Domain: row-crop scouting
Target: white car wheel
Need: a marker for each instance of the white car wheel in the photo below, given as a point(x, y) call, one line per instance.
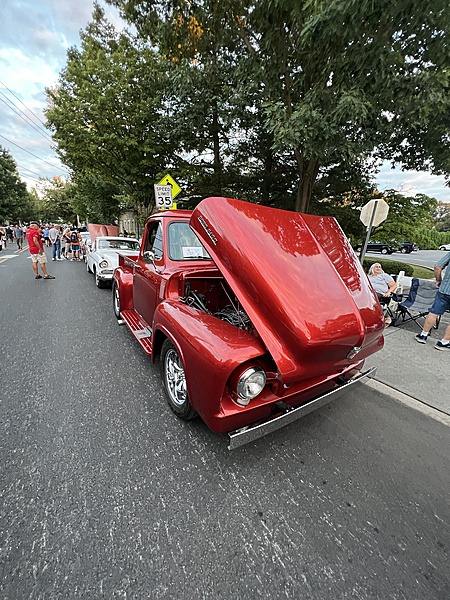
point(99, 282)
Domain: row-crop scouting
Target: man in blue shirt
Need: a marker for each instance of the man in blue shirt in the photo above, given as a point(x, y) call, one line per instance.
point(441, 304)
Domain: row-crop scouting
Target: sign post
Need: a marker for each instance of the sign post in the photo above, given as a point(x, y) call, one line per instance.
point(372, 214)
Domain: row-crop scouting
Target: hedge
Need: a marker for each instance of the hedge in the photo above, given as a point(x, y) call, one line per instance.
point(389, 266)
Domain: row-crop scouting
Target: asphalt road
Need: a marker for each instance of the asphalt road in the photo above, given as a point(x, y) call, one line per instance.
point(422, 258)
point(105, 494)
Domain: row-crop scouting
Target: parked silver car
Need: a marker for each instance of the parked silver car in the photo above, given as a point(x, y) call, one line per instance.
point(102, 257)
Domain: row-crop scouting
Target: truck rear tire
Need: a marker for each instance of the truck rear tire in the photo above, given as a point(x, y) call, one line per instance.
point(116, 300)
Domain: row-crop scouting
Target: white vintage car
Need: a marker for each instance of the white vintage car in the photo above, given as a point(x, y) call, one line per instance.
point(102, 256)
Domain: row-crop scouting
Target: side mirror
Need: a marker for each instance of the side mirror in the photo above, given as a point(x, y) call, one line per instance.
point(149, 257)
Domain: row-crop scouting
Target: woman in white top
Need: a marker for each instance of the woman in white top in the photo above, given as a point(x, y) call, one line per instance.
point(382, 283)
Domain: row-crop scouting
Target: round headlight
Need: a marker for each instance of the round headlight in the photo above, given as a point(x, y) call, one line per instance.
point(103, 264)
point(250, 384)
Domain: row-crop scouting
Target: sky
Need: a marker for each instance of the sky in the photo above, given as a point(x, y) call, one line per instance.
point(34, 38)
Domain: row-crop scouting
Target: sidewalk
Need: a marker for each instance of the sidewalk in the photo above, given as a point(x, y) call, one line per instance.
point(417, 370)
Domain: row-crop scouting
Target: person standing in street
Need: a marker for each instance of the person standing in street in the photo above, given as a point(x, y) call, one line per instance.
point(9, 234)
point(440, 305)
point(67, 244)
point(46, 235)
point(75, 239)
point(18, 234)
point(55, 239)
point(37, 250)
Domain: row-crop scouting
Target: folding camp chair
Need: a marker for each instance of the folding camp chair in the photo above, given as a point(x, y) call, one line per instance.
point(418, 302)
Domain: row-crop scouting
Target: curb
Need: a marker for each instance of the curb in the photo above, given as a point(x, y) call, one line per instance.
point(414, 403)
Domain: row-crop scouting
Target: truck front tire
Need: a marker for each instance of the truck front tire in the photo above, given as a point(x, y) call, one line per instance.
point(174, 382)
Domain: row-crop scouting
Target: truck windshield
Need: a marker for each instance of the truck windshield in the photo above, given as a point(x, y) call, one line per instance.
point(184, 244)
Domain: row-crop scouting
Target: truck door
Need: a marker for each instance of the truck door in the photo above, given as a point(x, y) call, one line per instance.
point(147, 275)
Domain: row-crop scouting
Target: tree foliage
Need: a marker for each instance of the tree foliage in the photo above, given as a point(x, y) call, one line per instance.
point(16, 203)
point(442, 217)
point(96, 200)
point(54, 200)
point(328, 83)
point(106, 114)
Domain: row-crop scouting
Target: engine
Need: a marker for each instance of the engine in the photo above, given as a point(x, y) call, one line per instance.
point(224, 305)
point(234, 316)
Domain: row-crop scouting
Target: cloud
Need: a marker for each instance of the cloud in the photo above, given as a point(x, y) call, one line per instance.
point(411, 183)
point(35, 37)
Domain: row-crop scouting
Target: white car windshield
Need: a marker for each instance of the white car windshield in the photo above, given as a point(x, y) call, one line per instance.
point(118, 245)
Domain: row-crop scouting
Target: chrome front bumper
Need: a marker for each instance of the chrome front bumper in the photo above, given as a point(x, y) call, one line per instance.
point(249, 433)
point(105, 274)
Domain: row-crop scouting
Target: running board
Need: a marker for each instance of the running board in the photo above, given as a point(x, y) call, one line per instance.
point(139, 328)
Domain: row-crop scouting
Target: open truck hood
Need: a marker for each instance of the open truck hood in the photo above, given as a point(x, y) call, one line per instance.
point(298, 280)
point(96, 230)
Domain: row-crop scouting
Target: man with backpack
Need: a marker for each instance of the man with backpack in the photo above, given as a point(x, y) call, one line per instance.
point(75, 240)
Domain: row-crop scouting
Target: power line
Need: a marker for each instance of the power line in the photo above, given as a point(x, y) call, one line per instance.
point(26, 169)
point(38, 157)
point(30, 111)
point(25, 118)
point(28, 177)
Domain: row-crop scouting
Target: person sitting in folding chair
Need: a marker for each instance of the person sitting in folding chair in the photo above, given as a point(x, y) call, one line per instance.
point(440, 305)
point(384, 286)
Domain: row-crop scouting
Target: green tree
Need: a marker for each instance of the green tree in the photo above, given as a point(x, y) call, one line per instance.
point(406, 216)
point(340, 80)
point(96, 200)
point(15, 200)
point(442, 217)
point(55, 200)
point(107, 113)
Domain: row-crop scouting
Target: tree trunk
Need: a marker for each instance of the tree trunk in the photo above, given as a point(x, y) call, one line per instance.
point(216, 143)
point(308, 170)
point(267, 174)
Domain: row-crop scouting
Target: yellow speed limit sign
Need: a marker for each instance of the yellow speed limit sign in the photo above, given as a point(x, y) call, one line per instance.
point(168, 180)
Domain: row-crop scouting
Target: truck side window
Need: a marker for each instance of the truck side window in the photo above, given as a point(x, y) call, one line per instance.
point(154, 241)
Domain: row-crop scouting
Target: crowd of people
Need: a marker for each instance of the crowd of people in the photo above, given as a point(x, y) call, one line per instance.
point(8, 234)
point(65, 240)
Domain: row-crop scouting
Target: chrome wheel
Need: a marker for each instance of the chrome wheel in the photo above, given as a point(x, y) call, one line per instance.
point(174, 381)
point(175, 377)
point(116, 300)
point(98, 282)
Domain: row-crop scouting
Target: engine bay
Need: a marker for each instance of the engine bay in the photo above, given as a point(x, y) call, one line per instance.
point(214, 297)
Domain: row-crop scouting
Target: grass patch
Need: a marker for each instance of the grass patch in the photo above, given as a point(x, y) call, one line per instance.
point(422, 272)
point(393, 267)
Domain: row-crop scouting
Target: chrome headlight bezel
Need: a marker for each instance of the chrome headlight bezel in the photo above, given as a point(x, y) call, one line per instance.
point(250, 384)
point(103, 264)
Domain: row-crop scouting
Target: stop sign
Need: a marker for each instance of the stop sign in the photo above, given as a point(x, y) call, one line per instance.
point(381, 209)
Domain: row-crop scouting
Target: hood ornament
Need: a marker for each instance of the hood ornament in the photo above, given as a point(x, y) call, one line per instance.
point(353, 352)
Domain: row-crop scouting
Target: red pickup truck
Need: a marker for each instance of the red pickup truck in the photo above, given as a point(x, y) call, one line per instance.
point(258, 315)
